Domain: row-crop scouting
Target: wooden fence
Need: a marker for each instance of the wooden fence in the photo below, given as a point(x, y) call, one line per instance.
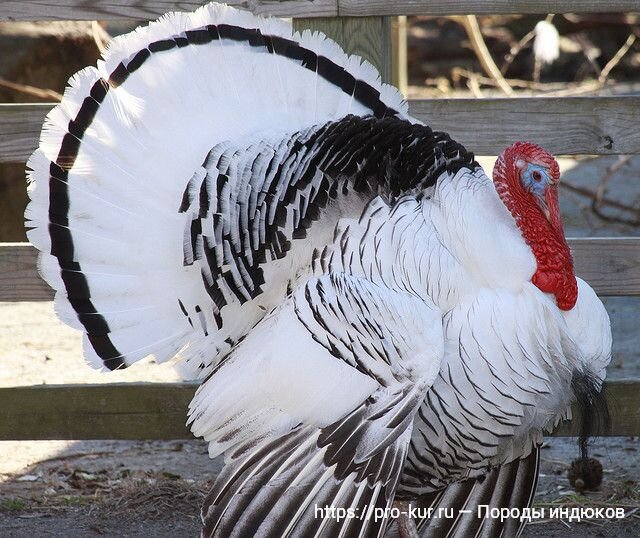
point(584, 125)
point(564, 125)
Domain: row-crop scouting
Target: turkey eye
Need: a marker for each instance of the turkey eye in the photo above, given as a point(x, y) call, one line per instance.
point(537, 176)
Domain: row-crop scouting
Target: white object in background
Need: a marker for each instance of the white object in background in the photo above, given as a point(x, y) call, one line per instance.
point(546, 44)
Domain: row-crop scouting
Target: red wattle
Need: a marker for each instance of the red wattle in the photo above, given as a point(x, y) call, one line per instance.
point(545, 237)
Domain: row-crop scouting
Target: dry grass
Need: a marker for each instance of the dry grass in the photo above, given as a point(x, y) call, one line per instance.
point(154, 498)
point(107, 496)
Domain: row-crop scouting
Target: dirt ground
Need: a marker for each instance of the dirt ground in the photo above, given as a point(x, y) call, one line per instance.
point(97, 488)
point(102, 488)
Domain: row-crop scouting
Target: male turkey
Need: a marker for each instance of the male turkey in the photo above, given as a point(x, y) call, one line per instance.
point(374, 320)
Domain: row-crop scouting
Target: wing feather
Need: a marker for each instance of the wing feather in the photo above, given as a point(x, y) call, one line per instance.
point(328, 450)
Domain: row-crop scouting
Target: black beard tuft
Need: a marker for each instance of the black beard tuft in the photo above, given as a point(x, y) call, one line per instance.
point(594, 410)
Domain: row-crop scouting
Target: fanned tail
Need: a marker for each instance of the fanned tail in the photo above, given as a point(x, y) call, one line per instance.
point(118, 154)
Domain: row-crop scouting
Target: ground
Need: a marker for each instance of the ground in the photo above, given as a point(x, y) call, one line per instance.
point(67, 488)
point(155, 489)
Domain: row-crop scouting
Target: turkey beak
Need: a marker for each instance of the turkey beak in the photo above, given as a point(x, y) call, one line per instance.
point(543, 204)
point(550, 208)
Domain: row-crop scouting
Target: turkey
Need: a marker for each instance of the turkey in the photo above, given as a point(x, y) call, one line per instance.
point(375, 322)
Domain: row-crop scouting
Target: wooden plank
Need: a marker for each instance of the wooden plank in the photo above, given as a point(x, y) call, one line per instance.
point(20, 127)
point(565, 126)
point(43, 10)
point(19, 278)
point(367, 37)
point(139, 411)
point(399, 68)
point(610, 265)
point(111, 411)
point(357, 8)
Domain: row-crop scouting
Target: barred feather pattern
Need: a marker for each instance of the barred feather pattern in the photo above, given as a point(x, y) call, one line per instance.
point(470, 422)
point(304, 479)
point(249, 205)
point(354, 461)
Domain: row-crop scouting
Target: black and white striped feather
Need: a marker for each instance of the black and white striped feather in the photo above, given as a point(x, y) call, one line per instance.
point(456, 509)
point(254, 206)
point(279, 472)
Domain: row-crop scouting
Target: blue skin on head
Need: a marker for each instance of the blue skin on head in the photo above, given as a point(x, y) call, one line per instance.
point(535, 178)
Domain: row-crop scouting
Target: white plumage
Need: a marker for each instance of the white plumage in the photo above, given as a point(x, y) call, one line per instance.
point(370, 316)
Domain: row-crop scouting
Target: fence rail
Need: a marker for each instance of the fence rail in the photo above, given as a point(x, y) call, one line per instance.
point(41, 10)
point(145, 411)
point(597, 260)
point(54, 10)
point(564, 126)
point(356, 8)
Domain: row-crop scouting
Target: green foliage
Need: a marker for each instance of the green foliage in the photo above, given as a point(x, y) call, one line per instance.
point(12, 504)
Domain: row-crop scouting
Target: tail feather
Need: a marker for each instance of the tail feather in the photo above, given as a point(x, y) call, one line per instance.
point(511, 485)
point(308, 482)
point(116, 155)
point(524, 488)
point(469, 526)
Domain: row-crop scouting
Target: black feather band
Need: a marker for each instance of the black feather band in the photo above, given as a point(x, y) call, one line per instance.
point(62, 246)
